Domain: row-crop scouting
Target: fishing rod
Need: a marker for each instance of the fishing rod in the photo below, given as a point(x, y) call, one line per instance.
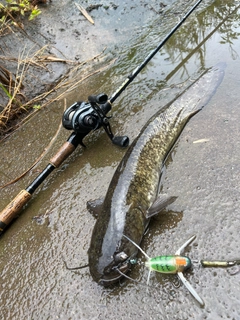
point(82, 118)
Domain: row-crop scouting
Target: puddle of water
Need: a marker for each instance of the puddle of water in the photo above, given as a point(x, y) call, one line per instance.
point(204, 176)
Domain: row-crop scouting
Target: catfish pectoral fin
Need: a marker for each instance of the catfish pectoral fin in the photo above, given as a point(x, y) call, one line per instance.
point(95, 206)
point(159, 204)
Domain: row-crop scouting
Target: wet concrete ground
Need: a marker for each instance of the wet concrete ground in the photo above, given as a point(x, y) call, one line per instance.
point(56, 226)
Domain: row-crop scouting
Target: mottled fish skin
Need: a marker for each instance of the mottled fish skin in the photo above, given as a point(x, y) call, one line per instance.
point(134, 186)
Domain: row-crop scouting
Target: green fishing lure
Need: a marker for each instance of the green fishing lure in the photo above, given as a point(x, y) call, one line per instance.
point(171, 264)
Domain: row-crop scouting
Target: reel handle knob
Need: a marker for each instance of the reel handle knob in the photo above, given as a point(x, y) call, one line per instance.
point(99, 98)
point(121, 141)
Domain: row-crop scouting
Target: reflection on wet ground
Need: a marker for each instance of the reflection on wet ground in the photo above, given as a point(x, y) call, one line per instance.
point(204, 176)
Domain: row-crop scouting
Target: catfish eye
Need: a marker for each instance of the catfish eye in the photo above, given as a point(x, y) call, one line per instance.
point(120, 256)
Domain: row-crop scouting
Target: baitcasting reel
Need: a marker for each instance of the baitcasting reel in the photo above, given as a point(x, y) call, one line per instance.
point(83, 117)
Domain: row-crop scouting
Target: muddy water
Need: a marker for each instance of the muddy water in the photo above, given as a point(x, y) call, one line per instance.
point(202, 171)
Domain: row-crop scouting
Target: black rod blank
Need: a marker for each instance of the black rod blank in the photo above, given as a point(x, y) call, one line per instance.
point(150, 56)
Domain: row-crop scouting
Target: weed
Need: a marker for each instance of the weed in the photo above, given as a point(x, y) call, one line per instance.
point(20, 7)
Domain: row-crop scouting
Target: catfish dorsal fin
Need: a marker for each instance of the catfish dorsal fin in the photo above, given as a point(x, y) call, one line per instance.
point(159, 204)
point(95, 206)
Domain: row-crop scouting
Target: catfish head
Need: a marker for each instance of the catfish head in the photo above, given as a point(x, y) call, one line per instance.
point(110, 253)
point(108, 262)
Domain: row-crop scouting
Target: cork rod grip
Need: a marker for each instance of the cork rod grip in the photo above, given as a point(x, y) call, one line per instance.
point(13, 208)
point(62, 154)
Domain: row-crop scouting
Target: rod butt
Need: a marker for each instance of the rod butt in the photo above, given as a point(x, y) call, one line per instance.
point(13, 208)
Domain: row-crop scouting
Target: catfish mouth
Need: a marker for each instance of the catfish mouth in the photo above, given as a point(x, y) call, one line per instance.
point(113, 273)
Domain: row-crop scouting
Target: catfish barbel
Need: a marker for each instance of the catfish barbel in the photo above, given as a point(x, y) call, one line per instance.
point(132, 197)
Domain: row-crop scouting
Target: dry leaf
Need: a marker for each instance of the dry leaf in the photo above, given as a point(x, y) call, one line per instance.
point(84, 12)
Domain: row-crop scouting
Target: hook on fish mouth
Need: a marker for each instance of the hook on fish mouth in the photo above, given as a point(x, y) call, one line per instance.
point(117, 269)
